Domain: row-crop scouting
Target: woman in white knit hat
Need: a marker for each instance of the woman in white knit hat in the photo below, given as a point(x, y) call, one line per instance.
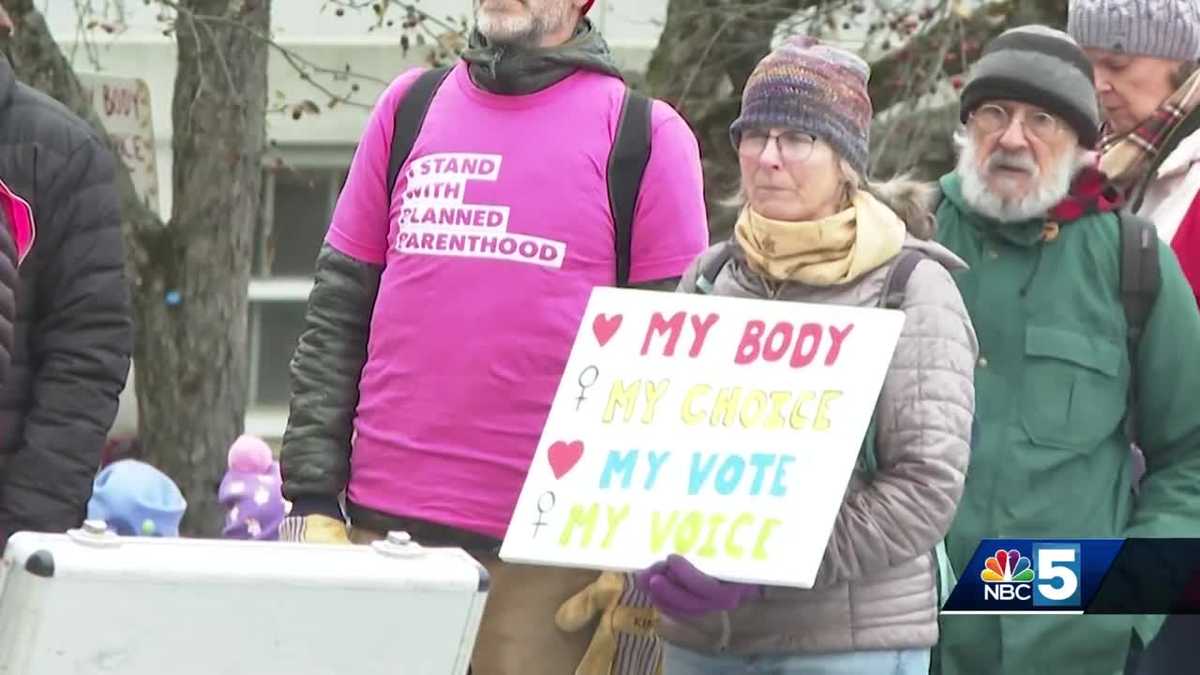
point(1145, 53)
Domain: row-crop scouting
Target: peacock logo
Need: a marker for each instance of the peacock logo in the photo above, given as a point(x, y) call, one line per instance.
point(1007, 567)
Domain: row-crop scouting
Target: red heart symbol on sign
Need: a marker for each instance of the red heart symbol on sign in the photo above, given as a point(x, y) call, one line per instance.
point(564, 456)
point(605, 327)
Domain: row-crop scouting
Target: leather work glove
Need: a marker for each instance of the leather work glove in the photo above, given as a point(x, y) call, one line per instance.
point(679, 589)
point(625, 633)
point(314, 529)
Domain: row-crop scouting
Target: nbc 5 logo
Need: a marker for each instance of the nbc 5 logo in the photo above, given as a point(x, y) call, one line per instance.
point(1049, 579)
point(1007, 576)
point(1057, 568)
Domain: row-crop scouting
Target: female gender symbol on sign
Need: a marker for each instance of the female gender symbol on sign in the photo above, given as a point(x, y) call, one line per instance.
point(545, 504)
point(587, 379)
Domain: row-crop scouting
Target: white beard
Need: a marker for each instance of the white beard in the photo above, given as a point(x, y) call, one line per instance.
point(541, 17)
point(1049, 191)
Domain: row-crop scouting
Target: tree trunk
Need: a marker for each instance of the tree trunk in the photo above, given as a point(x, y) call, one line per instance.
point(190, 277)
point(191, 304)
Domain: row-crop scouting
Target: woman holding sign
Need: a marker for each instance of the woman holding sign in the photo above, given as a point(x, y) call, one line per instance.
point(813, 231)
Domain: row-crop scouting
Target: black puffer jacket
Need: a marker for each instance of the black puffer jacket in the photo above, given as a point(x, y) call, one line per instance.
point(325, 373)
point(73, 333)
point(8, 294)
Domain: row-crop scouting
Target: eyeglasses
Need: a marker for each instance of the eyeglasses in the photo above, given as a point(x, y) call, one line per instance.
point(793, 146)
point(991, 119)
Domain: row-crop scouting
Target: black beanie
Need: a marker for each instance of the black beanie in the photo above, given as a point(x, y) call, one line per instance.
point(1040, 66)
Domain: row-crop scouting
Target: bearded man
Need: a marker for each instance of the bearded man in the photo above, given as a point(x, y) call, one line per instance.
point(449, 291)
point(1050, 458)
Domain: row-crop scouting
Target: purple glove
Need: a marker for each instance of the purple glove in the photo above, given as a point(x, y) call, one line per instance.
point(677, 588)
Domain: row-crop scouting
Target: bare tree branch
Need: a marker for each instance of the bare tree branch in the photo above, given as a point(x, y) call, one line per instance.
point(413, 13)
point(310, 72)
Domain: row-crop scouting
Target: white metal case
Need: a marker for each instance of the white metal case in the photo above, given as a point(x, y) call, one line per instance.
point(92, 602)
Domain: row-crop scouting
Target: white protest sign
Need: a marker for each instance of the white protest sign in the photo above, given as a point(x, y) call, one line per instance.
point(123, 105)
point(721, 429)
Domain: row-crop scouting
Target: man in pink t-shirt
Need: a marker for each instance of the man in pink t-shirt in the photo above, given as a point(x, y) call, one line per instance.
point(443, 313)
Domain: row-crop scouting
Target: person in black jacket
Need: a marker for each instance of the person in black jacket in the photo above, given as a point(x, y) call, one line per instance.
point(73, 331)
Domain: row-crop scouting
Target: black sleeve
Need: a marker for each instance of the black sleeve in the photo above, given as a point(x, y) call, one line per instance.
point(325, 373)
point(8, 295)
point(80, 340)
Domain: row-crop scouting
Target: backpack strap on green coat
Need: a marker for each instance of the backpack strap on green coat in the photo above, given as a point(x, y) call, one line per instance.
point(1141, 279)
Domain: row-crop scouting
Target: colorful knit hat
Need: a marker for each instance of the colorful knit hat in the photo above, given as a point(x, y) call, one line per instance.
point(1165, 29)
point(136, 500)
point(1040, 66)
point(814, 88)
point(251, 492)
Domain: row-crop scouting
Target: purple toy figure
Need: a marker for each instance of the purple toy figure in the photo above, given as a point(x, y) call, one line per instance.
point(251, 492)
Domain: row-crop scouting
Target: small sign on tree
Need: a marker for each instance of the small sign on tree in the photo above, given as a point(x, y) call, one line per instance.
point(123, 105)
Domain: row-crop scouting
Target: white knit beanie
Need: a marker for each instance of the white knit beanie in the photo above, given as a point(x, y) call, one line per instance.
point(1166, 29)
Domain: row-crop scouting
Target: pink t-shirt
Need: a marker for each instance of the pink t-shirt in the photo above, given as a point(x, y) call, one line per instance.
point(499, 228)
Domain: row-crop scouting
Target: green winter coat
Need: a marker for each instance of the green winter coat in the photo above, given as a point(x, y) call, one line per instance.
point(1051, 456)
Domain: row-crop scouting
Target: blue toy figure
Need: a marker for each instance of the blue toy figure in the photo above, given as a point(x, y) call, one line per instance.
point(137, 500)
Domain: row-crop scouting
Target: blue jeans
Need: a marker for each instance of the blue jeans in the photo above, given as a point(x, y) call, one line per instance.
point(679, 661)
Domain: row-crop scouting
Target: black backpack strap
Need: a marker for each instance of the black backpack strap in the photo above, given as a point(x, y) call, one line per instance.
point(896, 281)
point(626, 166)
point(1141, 279)
point(410, 115)
point(707, 278)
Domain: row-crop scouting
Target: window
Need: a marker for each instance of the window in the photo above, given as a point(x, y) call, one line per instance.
point(301, 203)
point(297, 204)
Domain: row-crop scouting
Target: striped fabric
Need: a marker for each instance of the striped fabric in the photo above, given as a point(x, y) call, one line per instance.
point(1125, 159)
point(1165, 29)
point(637, 653)
point(292, 529)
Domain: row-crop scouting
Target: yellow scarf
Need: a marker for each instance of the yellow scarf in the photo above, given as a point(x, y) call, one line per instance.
point(827, 252)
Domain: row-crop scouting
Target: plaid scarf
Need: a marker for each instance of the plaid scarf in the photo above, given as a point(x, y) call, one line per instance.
point(1127, 159)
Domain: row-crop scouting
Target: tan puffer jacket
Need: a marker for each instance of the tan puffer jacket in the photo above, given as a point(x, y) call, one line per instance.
point(876, 588)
